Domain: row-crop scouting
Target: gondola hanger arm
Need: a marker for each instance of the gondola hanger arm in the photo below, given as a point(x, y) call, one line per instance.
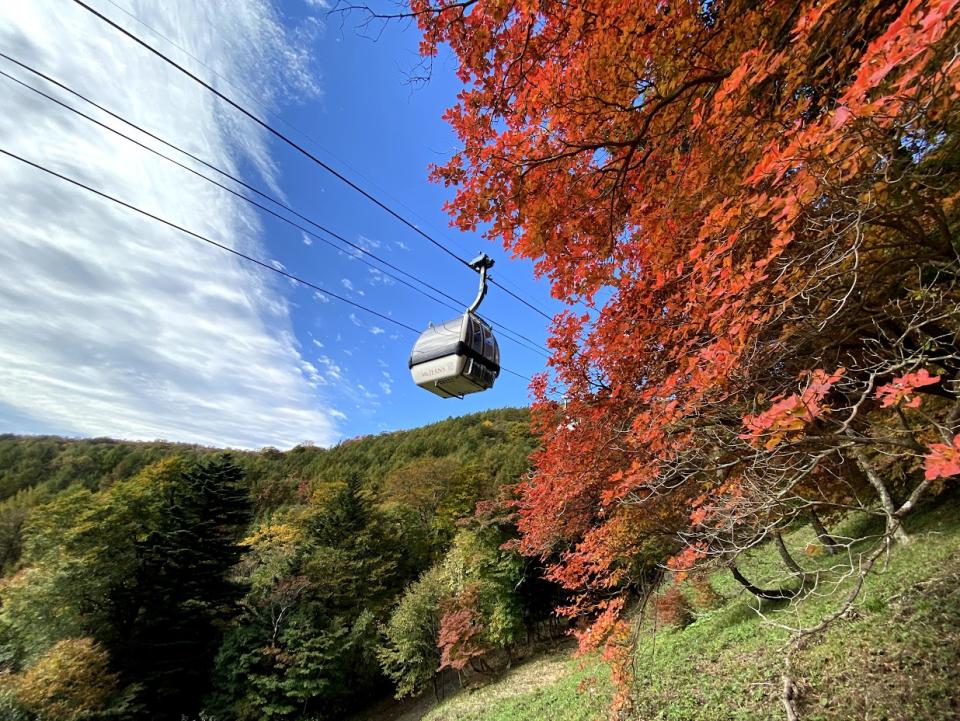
point(482, 263)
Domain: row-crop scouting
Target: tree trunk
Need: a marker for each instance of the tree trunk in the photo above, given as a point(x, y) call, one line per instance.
point(788, 560)
point(771, 594)
point(828, 542)
point(894, 527)
point(789, 698)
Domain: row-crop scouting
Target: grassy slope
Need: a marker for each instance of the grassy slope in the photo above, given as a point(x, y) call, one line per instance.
point(554, 687)
point(894, 658)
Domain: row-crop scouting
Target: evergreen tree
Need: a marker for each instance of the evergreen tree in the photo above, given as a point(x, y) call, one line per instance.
point(306, 648)
point(184, 589)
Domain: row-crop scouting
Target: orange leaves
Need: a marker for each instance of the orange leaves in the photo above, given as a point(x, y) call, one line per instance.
point(606, 626)
point(810, 19)
point(901, 50)
point(942, 461)
point(793, 413)
point(703, 187)
point(461, 631)
point(688, 557)
point(902, 387)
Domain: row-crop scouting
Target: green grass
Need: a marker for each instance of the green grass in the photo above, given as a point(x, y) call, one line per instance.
point(554, 687)
point(894, 657)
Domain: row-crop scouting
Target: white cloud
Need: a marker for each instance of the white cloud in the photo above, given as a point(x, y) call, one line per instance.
point(311, 372)
point(386, 388)
point(348, 284)
point(321, 297)
point(307, 240)
point(317, 343)
point(111, 324)
point(401, 245)
point(356, 321)
point(339, 415)
point(331, 371)
point(376, 330)
point(377, 276)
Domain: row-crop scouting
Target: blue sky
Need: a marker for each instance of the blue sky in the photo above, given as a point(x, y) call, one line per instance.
point(112, 326)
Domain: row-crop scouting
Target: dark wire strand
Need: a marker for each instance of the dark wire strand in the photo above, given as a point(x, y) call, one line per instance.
point(266, 110)
point(216, 244)
point(508, 333)
point(296, 146)
point(269, 128)
point(205, 239)
point(525, 302)
point(203, 162)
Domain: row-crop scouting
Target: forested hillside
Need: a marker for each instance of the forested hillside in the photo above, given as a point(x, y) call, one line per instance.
point(153, 580)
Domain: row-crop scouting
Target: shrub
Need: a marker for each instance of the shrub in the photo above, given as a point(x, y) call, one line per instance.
point(705, 597)
point(673, 608)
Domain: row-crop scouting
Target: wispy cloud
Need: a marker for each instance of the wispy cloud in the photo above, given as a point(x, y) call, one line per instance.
point(111, 324)
point(331, 371)
point(350, 286)
point(377, 276)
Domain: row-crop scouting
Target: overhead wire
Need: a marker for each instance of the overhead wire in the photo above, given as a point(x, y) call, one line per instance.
point(221, 246)
point(300, 131)
point(216, 183)
point(263, 107)
point(507, 332)
point(296, 146)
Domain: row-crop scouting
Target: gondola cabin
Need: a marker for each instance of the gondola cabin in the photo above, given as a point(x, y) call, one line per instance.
point(457, 357)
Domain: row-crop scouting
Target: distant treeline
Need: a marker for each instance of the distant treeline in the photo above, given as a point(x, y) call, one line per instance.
point(158, 580)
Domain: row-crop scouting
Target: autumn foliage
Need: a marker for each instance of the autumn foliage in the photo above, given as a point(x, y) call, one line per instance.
point(70, 681)
point(461, 631)
point(751, 209)
point(673, 608)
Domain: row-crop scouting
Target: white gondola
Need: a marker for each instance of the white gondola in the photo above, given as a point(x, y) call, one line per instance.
point(461, 355)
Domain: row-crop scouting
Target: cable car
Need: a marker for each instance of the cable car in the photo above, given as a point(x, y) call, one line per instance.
point(461, 355)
